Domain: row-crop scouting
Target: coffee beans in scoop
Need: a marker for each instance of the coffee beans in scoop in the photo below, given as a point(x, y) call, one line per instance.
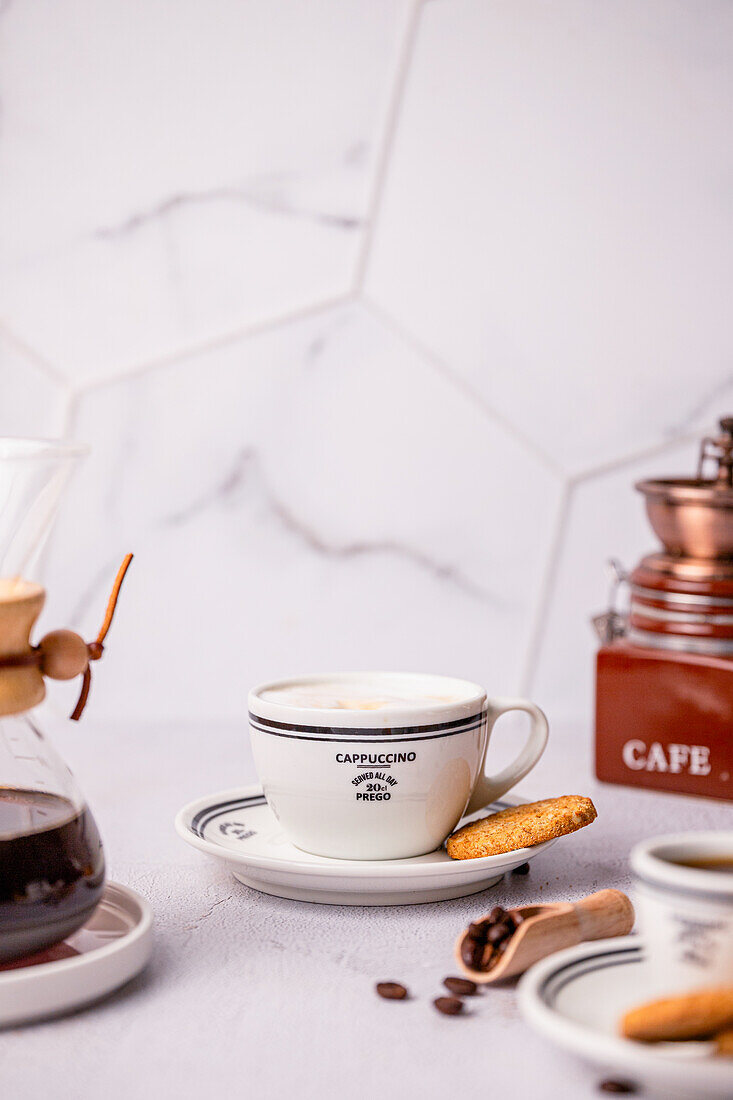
point(391, 991)
point(486, 940)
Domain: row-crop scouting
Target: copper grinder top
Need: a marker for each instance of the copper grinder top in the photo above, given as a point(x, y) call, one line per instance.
point(693, 516)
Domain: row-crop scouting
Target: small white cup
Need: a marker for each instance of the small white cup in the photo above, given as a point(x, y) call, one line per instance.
point(685, 914)
point(388, 783)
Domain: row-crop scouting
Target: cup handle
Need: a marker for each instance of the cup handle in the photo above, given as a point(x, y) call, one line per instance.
point(490, 787)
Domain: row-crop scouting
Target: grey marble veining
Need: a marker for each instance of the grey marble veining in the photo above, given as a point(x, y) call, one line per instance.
point(208, 173)
point(358, 360)
point(246, 469)
point(263, 483)
point(556, 224)
point(269, 194)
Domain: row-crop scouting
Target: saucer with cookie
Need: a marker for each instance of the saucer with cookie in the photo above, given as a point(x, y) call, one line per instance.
point(377, 789)
point(656, 1006)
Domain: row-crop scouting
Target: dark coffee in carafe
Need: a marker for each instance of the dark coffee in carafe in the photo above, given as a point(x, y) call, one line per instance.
point(51, 870)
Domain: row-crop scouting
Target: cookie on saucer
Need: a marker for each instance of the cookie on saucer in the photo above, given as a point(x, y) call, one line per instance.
point(697, 1015)
point(521, 827)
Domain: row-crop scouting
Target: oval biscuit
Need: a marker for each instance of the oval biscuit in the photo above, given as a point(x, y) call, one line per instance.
point(521, 827)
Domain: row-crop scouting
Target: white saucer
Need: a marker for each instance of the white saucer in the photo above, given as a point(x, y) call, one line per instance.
point(576, 998)
point(112, 947)
point(239, 828)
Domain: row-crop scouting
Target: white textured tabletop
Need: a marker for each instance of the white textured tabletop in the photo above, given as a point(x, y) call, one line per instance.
point(249, 995)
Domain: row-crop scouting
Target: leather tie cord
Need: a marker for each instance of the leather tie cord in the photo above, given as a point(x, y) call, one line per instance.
point(96, 648)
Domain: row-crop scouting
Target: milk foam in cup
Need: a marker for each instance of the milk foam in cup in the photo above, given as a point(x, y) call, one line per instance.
point(353, 694)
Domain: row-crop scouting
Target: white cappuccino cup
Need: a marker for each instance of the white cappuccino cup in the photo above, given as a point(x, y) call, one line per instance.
point(380, 765)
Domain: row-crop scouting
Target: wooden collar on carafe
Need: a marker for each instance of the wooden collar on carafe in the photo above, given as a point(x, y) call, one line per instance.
point(60, 655)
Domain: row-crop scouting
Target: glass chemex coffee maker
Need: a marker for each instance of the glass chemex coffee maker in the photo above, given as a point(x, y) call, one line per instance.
point(664, 673)
point(51, 862)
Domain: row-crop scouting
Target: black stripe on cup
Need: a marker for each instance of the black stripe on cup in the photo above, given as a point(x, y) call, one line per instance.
point(354, 734)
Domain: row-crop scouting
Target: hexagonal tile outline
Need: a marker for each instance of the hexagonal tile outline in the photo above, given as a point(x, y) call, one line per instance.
point(355, 292)
point(571, 486)
point(38, 360)
point(390, 136)
point(386, 144)
point(395, 99)
point(384, 137)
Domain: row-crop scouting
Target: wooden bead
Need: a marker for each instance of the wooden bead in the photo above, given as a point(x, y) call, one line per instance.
point(64, 655)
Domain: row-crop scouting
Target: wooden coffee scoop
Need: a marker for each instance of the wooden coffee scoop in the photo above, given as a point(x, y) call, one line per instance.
point(544, 929)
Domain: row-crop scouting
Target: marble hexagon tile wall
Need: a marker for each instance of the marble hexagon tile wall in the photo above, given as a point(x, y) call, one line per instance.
point(556, 219)
point(173, 172)
point(309, 498)
point(371, 311)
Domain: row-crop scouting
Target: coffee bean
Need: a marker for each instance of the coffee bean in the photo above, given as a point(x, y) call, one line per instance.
point(478, 930)
point(620, 1087)
point(462, 987)
point(391, 991)
point(449, 1006)
point(488, 958)
point(497, 914)
point(522, 869)
point(497, 933)
point(472, 952)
